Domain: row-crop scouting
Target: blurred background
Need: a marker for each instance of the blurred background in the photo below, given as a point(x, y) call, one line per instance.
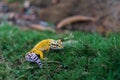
point(102, 16)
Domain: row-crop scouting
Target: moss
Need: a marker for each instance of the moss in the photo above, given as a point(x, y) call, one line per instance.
point(93, 57)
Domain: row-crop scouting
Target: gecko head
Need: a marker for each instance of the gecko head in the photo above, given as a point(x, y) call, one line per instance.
point(56, 45)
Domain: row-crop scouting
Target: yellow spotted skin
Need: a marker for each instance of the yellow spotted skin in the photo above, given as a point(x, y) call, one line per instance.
point(46, 45)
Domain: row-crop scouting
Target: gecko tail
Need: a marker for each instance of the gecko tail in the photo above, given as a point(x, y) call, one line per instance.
point(32, 57)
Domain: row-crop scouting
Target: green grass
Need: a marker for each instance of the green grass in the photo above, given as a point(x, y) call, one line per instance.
point(93, 57)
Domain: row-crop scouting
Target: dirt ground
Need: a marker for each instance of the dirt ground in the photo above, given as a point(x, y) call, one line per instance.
point(105, 12)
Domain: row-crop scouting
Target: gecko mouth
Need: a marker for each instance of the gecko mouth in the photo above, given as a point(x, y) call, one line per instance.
point(54, 48)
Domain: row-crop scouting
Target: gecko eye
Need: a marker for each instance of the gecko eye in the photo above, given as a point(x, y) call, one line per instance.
point(57, 45)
